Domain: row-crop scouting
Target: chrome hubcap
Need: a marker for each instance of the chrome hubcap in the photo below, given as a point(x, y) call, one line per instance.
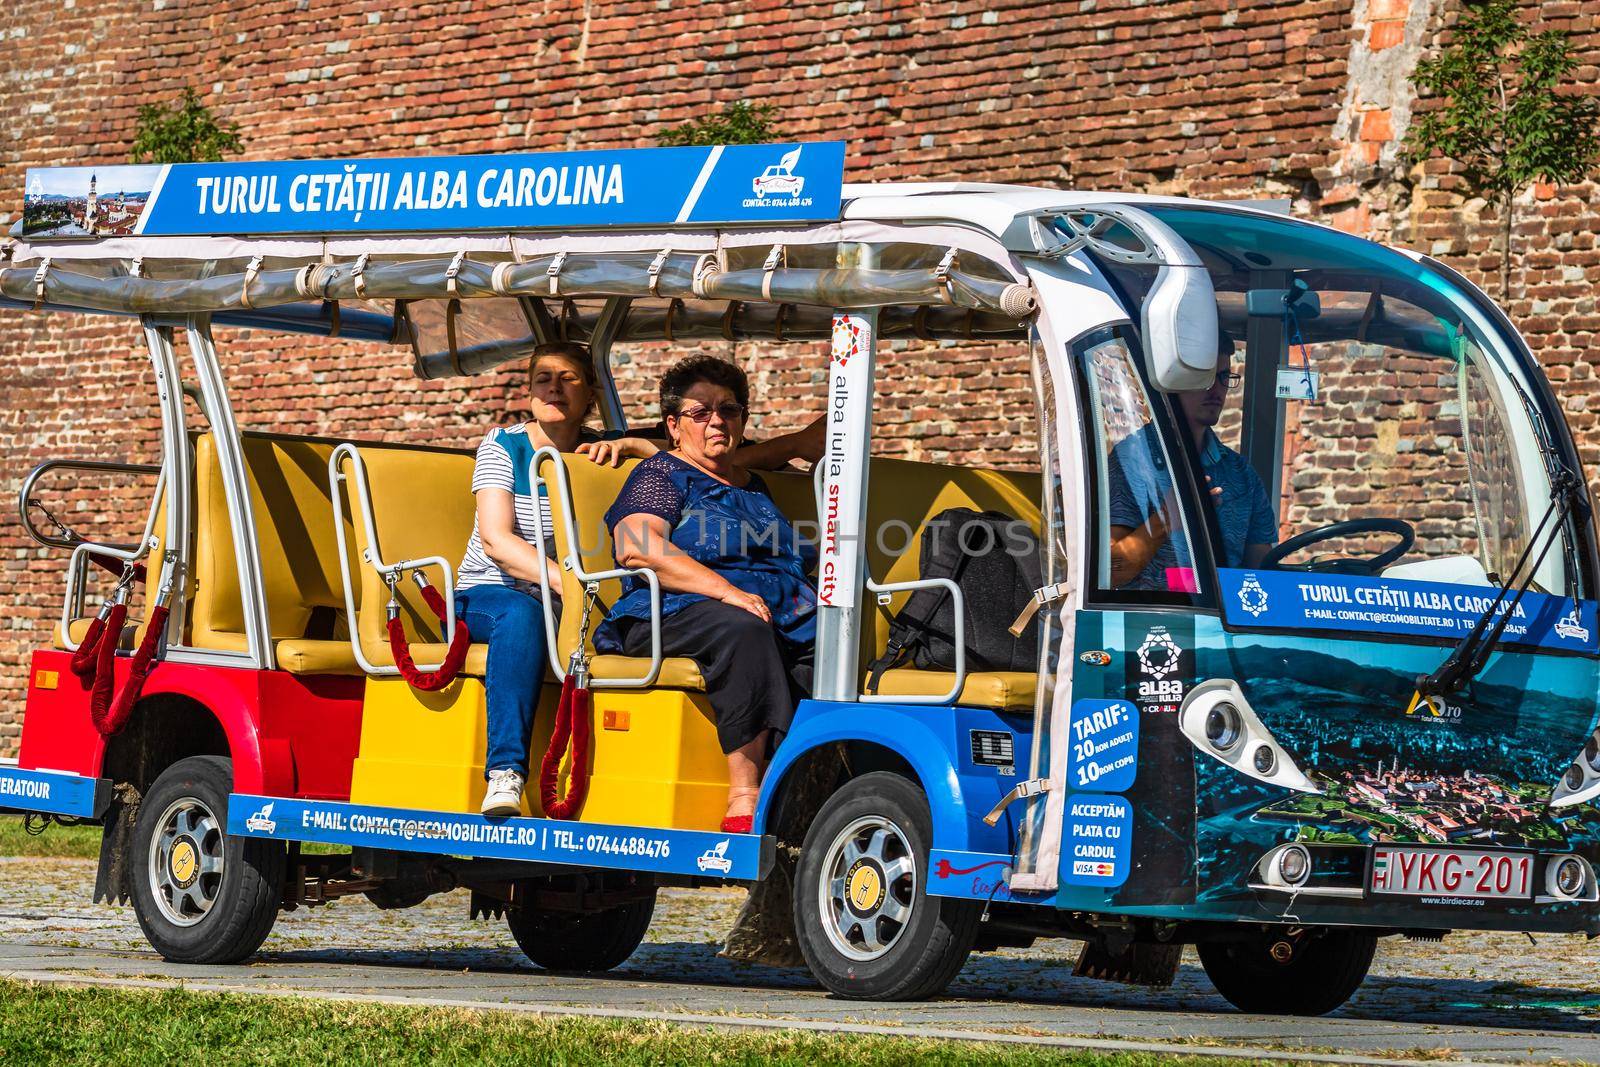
point(868, 888)
point(185, 863)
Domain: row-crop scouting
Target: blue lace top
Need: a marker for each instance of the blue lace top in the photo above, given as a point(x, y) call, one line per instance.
point(737, 531)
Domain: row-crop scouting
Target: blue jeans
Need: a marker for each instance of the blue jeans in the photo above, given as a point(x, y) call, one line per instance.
point(511, 622)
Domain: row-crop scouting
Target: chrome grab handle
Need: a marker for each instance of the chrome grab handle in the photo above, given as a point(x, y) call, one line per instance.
point(374, 556)
point(882, 592)
point(72, 603)
point(25, 495)
point(573, 563)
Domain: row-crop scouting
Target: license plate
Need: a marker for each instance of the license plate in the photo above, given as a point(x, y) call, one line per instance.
point(1438, 872)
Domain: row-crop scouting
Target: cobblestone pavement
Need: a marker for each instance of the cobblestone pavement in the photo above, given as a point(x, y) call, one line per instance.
point(1484, 996)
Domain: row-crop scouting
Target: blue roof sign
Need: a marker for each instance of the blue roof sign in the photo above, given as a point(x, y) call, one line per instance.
point(539, 190)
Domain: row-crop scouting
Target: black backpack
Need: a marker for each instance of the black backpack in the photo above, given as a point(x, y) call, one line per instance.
point(994, 560)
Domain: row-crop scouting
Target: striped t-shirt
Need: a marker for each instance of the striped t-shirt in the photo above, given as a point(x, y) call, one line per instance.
point(504, 462)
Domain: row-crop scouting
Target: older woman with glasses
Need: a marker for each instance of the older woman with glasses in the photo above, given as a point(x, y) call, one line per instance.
point(736, 597)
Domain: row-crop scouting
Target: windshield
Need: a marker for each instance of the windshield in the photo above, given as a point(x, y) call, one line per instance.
point(1366, 426)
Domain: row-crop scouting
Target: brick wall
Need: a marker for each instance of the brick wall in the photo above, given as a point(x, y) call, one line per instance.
point(1289, 98)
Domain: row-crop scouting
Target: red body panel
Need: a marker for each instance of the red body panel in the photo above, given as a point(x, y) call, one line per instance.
point(288, 735)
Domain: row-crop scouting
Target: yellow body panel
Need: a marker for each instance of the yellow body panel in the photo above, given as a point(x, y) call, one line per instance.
point(656, 764)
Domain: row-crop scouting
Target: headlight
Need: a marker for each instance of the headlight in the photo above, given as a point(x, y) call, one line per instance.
point(1223, 726)
point(1581, 781)
point(1294, 865)
point(1263, 759)
point(1218, 720)
point(1566, 877)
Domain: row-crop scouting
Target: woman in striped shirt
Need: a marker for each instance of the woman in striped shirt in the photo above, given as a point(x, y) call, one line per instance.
point(498, 587)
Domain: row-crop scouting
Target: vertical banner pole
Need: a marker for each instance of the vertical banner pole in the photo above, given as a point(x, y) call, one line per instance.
point(842, 509)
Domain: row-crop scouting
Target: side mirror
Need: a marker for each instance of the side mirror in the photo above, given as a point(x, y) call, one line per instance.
point(1179, 329)
point(1178, 321)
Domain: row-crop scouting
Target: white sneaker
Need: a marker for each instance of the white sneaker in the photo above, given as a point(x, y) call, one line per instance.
point(505, 793)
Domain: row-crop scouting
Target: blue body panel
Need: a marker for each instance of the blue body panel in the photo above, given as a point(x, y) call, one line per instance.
point(53, 793)
point(738, 857)
point(977, 876)
point(1475, 775)
point(936, 741)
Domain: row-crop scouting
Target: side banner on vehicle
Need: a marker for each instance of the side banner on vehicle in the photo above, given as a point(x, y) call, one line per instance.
point(52, 792)
point(634, 848)
point(844, 459)
point(1295, 600)
point(633, 186)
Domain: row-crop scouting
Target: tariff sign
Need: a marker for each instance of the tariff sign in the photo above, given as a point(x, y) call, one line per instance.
point(1104, 754)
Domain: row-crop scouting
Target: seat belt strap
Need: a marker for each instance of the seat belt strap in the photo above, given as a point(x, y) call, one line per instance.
point(1047, 595)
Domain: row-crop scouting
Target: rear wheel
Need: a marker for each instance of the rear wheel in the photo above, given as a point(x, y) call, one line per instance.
point(200, 895)
point(1311, 973)
point(862, 917)
point(579, 941)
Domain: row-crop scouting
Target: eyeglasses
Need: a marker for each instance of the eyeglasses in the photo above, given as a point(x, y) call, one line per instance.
point(1230, 381)
point(702, 415)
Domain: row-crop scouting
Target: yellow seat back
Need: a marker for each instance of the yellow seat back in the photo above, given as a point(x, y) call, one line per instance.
point(594, 488)
point(293, 512)
point(422, 505)
point(904, 496)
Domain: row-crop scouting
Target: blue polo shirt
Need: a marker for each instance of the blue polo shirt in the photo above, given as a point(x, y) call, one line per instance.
point(1140, 481)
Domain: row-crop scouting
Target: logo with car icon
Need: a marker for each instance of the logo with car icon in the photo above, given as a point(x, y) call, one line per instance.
point(261, 822)
point(1570, 628)
point(780, 179)
point(715, 858)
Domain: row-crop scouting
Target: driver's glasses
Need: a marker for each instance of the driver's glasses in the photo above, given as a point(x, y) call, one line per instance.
point(730, 413)
point(1230, 381)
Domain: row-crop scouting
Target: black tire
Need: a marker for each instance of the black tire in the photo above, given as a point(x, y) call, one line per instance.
point(573, 941)
point(918, 954)
point(1325, 970)
point(240, 901)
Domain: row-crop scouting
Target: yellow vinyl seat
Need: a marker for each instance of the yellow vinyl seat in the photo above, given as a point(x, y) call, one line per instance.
point(654, 760)
point(912, 494)
point(293, 512)
point(422, 505)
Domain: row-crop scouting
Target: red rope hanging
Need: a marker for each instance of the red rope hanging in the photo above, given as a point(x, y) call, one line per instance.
point(95, 660)
point(572, 720)
point(110, 716)
point(86, 659)
point(454, 657)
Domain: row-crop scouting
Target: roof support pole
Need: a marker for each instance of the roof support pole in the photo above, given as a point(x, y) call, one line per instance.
point(1261, 437)
point(175, 462)
point(842, 502)
point(606, 329)
point(229, 448)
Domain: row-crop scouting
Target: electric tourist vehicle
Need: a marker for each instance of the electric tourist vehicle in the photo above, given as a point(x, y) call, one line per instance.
point(1341, 686)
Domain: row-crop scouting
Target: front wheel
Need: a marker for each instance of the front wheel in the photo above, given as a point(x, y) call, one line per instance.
point(581, 941)
point(1310, 972)
point(200, 895)
point(863, 918)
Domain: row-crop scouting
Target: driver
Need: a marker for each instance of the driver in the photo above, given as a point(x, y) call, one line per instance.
point(1147, 552)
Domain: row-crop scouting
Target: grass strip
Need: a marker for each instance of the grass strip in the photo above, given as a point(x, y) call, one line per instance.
point(47, 1023)
point(57, 842)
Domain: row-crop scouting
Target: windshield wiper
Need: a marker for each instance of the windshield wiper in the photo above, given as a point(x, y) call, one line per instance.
point(1472, 653)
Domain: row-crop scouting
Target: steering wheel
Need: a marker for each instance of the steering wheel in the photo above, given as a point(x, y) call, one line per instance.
point(1370, 566)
